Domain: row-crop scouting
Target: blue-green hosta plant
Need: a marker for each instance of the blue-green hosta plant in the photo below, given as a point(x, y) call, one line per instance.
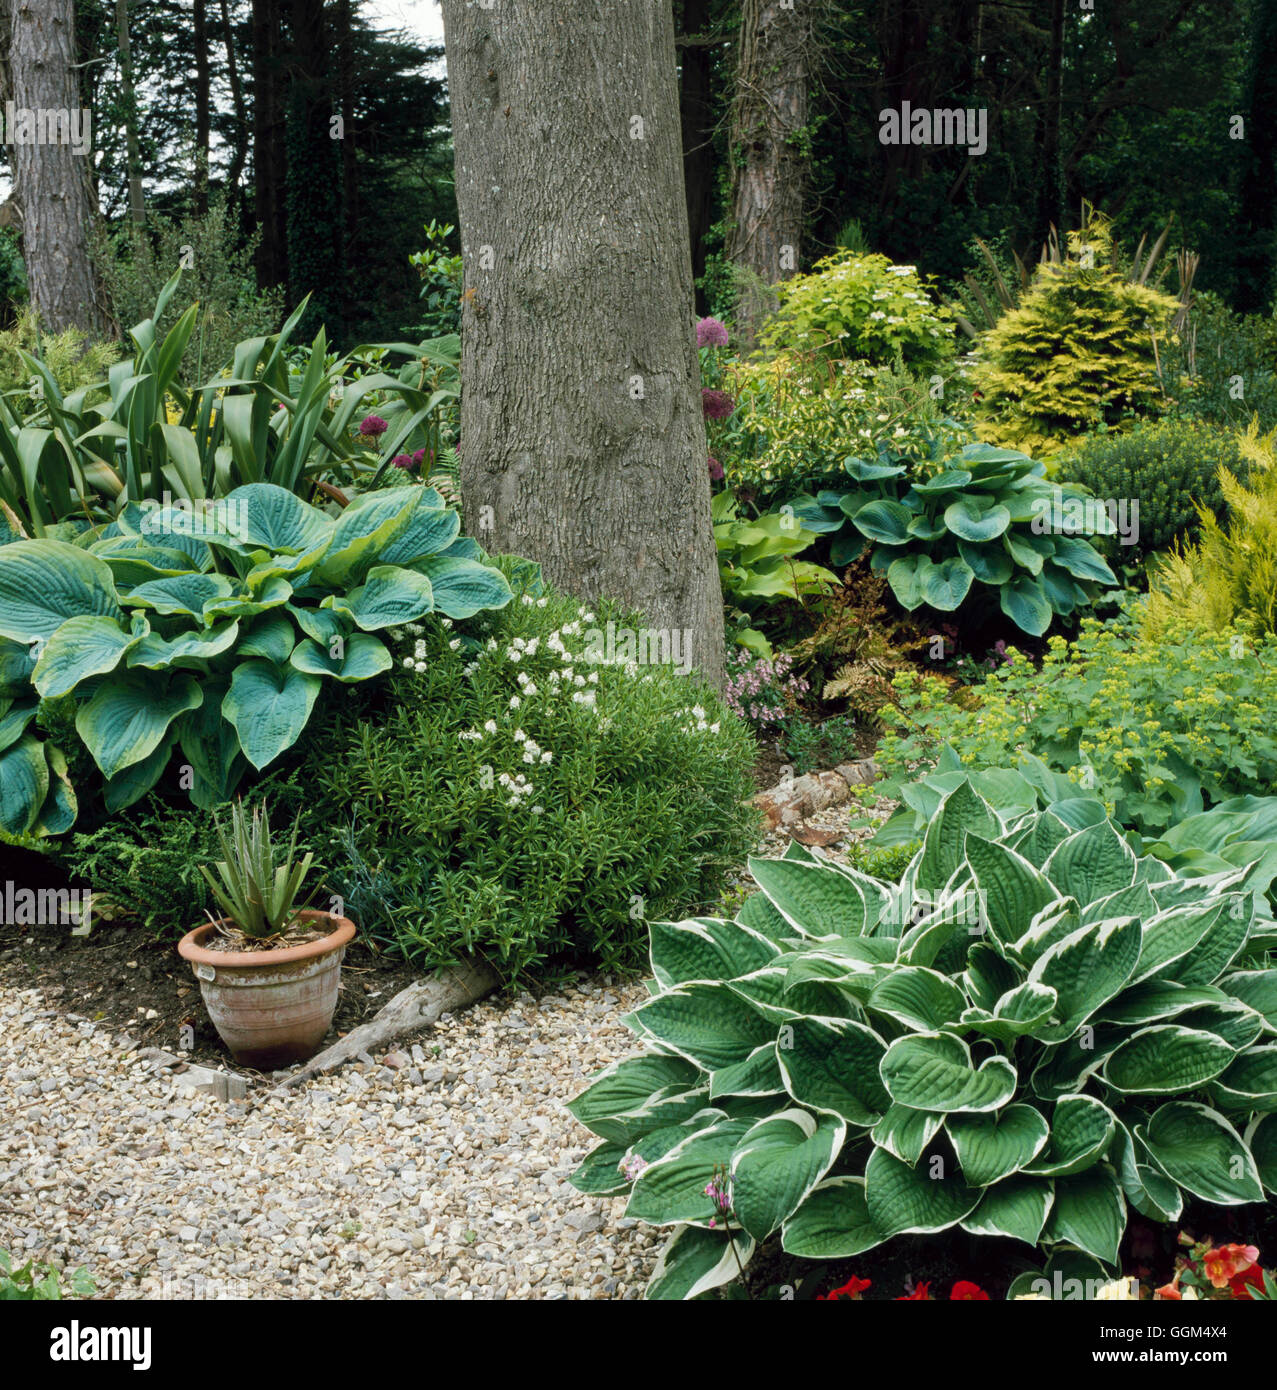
point(209, 635)
point(986, 523)
point(1031, 1032)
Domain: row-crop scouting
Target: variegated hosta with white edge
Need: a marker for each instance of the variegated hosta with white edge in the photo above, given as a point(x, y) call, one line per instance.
point(1033, 1031)
point(211, 634)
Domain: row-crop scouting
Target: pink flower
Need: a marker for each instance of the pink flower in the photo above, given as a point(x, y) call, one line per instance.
point(710, 333)
point(715, 469)
point(372, 425)
point(717, 405)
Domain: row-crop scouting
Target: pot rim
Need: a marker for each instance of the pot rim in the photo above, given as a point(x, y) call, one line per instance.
point(190, 947)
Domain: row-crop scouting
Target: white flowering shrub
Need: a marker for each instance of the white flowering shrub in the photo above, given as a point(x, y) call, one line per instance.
point(533, 786)
point(854, 305)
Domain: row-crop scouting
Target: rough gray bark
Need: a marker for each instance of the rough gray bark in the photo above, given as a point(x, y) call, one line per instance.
point(582, 437)
point(51, 182)
point(418, 1006)
point(769, 114)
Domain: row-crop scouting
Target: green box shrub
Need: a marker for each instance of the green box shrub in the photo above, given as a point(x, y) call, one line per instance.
point(1169, 467)
point(1030, 1032)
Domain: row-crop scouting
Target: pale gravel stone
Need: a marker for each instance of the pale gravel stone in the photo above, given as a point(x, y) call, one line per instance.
point(446, 1179)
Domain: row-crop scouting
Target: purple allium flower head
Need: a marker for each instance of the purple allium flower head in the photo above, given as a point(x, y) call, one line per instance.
point(715, 469)
point(710, 333)
point(420, 457)
point(372, 425)
point(717, 405)
point(403, 461)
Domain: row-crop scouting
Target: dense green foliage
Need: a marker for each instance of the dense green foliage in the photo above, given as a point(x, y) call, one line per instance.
point(36, 1283)
point(514, 789)
point(1078, 353)
point(1169, 469)
point(853, 305)
point(213, 634)
point(985, 517)
point(1156, 724)
point(1030, 1032)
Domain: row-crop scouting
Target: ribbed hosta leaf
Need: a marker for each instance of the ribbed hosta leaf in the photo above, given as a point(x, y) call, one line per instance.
point(833, 1223)
point(812, 900)
point(696, 1261)
point(1197, 1148)
point(706, 949)
point(934, 1071)
point(1016, 1208)
point(992, 1147)
point(1081, 1132)
point(672, 1189)
point(1087, 969)
point(709, 1024)
point(778, 1163)
point(1165, 1059)
point(914, 1200)
point(832, 1065)
point(906, 1133)
point(1088, 1212)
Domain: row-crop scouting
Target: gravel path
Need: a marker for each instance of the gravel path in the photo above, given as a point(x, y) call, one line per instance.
point(443, 1177)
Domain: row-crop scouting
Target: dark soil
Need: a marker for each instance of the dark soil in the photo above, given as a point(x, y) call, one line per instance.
point(120, 976)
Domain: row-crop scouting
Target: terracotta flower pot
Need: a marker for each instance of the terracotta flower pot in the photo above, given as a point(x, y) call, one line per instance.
point(271, 1008)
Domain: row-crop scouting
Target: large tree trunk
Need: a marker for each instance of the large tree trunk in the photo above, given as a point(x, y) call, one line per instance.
point(51, 181)
point(696, 109)
point(769, 110)
point(1047, 136)
point(582, 438)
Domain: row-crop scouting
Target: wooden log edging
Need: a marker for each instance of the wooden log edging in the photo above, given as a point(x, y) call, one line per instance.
point(790, 802)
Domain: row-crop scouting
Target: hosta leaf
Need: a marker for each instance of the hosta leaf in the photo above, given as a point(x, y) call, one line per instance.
point(599, 1172)
point(918, 998)
point(904, 574)
point(1091, 864)
point(269, 706)
point(758, 1075)
point(80, 648)
point(778, 1163)
point(706, 949)
point(972, 520)
point(833, 1223)
point(943, 846)
point(182, 593)
point(629, 1086)
point(271, 636)
point(672, 1190)
point(992, 1147)
point(129, 715)
point(43, 583)
point(366, 528)
point(462, 587)
point(1262, 1138)
point(989, 563)
point(884, 521)
point(272, 517)
point(1165, 1059)
point(156, 653)
point(391, 596)
point(274, 593)
point(1258, 989)
point(831, 1064)
point(906, 1133)
point(1025, 603)
point(360, 657)
point(1018, 1012)
point(1088, 1212)
point(1082, 560)
point(24, 785)
point(1016, 1207)
point(1250, 1083)
point(920, 1200)
point(1081, 1132)
point(1170, 936)
point(709, 1024)
point(1011, 889)
point(696, 1261)
point(814, 901)
point(1197, 1148)
point(1150, 1192)
point(1157, 1000)
point(934, 1071)
point(946, 585)
point(1087, 969)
